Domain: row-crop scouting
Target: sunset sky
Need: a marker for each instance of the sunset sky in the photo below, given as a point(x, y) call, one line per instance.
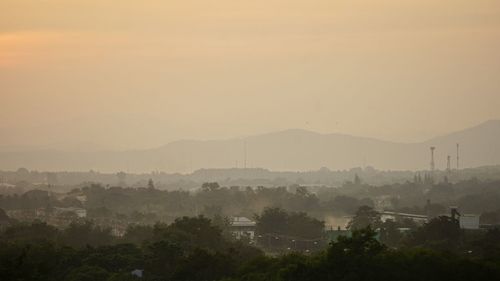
point(138, 74)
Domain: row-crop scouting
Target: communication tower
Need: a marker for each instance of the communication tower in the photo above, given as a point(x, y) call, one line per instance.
point(433, 166)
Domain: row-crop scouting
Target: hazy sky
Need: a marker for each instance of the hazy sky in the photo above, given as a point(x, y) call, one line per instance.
point(130, 73)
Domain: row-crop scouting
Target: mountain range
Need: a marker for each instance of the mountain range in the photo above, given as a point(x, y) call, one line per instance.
point(289, 150)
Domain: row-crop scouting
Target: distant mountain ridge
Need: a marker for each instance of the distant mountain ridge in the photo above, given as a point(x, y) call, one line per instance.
point(289, 150)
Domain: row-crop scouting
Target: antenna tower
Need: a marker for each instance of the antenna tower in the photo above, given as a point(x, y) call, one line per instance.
point(245, 160)
point(433, 166)
point(448, 164)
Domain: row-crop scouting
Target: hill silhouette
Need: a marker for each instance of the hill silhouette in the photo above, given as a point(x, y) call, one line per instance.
point(289, 150)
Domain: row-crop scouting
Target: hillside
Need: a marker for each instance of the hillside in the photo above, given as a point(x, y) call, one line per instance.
point(290, 150)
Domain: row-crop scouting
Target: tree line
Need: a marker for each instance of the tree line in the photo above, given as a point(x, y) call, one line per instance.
point(195, 248)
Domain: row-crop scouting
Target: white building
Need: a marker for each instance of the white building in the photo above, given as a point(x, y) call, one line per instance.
point(243, 227)
point(79, 212)
point(469, 222)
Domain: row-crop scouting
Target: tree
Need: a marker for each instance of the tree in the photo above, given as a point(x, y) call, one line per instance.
point(353, 258)
point(272, 220)
point(347, 205)
point(137, 234)
point(434, 209)
point(114, 258)
point(5, 220)
point(100, 212)
point(210, 186)
point(88, 273)
point(37, 260)
point(302, 191)
point(390, 234)
point(123, 276)
point(151, 184)
point(224, 224)
point(362, 243)
point(441, 233)
point(301, 225)
point(365, 217)
point(296, 230)
point(486, 247)
point(192, 232)
point(82, 234)
point(122, 176)
point(490, 217)
point(212, 210)
point(202, 265)
point(161, 259)
point(28, 233)
point(357, 179)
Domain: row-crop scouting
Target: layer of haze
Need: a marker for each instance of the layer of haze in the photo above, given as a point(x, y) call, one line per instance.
point(134, 74)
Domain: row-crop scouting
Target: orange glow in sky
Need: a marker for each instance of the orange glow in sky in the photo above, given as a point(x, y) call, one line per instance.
point(143, 73)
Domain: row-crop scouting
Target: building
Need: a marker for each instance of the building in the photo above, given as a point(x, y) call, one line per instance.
point(469, 222)
point(61, 212)
point(137, 273)
point(242, 227)
point(396, 216)
point(334, 234)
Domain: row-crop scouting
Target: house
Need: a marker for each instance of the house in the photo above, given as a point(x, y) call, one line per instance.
point(61, 212)
point(334, 234)
point(395, 216)
point(137, 273)
point(469, 221)
point(243, 227)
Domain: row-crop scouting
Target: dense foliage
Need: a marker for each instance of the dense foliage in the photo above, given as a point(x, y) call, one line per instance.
point(196, 249)
point(362, 257)
point(164, 237)
point(85, 252)
point(149, 205)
